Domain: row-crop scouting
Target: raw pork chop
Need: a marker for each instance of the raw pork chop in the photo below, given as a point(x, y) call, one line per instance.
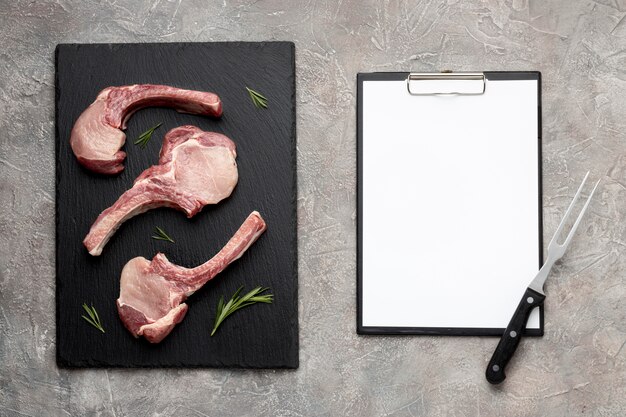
point(195, 168)
point(152, 294)
point(97, 136)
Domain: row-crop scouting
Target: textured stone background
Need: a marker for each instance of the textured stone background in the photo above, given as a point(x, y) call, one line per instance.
point(578, 368)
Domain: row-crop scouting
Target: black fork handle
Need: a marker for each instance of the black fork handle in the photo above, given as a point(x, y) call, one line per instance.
point(512, 335)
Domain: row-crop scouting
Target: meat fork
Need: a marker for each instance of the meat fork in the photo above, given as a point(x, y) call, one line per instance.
point(534, 295)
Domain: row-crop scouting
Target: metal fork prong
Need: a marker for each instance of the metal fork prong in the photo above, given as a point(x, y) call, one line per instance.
point(553, 242)
point(580, 216)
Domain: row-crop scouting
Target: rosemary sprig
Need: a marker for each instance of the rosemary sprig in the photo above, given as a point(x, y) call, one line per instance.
point(257, 98)
point(237, 303)
point(161, 235)
point(93, 318)
point(145, 137)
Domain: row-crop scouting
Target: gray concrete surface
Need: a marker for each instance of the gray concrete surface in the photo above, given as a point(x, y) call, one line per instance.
point(578, 368)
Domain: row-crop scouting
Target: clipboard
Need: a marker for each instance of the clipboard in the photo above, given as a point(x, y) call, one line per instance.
point(449, 188)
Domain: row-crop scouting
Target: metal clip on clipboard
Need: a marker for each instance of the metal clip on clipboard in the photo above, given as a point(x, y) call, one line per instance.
point(446, 83)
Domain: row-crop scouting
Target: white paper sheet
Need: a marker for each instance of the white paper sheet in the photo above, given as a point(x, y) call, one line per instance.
point(450, 205)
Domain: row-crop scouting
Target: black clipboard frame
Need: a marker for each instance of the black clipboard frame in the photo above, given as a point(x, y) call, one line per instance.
point(437, 331)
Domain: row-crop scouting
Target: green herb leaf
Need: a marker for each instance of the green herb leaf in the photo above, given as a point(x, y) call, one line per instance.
point(94, 318)
point(257, 98)
point(145, 137)
point(236, 303)
point(161, 235)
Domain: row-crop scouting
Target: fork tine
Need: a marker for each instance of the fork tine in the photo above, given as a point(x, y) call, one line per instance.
point(568, 212)
point(580, 216)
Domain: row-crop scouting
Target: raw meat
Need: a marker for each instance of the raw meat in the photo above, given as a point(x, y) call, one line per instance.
point(195, 168)
point(97, 136)
point(152, 294)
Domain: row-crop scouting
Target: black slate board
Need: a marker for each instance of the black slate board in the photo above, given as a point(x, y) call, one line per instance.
point(261, 336)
